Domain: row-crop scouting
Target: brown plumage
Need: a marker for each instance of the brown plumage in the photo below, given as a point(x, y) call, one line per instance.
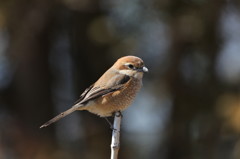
point(113, 91)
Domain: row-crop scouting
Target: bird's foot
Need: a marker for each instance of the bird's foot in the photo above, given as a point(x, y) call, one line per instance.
point(118, 114)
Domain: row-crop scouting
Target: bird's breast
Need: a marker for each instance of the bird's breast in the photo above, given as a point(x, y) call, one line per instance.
point(116, 101)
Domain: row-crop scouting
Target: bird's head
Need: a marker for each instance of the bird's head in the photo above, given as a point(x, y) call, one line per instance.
point(130, 65)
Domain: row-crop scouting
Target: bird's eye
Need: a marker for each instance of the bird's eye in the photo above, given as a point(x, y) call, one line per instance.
point(131, 66)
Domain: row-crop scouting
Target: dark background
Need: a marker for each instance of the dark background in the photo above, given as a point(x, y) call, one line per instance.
point(189, 107)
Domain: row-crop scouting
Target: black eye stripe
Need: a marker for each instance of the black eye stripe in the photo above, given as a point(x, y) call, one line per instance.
point(131, 66)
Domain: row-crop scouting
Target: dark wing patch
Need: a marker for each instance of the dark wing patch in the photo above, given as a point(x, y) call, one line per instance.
point(124, 80)
point(83, 95)
point(100, 93)
point(95, 92)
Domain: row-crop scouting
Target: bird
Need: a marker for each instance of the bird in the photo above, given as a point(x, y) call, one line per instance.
point(113, 92)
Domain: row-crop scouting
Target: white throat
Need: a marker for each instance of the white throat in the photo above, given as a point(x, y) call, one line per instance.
point(126, 72)
point(131, 73)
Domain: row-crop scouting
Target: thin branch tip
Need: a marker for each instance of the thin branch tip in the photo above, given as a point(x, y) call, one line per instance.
point(118, 114)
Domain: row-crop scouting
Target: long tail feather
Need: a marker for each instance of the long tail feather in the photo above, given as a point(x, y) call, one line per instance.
point(60, 116)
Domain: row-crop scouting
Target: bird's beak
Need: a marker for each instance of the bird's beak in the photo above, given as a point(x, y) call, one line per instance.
point(144, 69)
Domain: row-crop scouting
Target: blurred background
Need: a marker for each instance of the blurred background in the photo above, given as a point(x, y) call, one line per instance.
point(189, 107)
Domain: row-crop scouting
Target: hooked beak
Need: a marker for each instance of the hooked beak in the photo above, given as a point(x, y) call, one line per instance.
point(144, 69)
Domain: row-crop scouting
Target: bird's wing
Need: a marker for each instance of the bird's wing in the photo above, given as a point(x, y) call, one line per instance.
point(92, 92)
point(114, 84)
point(82, 96)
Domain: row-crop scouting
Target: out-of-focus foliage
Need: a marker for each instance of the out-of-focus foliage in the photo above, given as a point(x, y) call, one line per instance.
point(189, 107)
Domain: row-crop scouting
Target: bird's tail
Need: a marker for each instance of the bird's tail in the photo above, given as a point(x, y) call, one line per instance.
point(60, 116)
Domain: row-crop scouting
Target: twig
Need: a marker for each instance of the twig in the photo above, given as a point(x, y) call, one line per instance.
point(115, 145)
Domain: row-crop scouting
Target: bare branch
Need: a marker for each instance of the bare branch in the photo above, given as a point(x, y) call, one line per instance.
point(115, 145)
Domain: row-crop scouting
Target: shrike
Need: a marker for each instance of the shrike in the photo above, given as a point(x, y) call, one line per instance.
point(114, 90)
